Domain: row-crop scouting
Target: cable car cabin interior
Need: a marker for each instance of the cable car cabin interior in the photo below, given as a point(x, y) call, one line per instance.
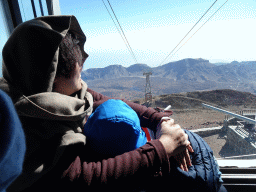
point(143, 51)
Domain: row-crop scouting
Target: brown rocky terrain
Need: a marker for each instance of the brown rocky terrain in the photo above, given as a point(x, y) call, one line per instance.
point(189, 113)
point(188, 110)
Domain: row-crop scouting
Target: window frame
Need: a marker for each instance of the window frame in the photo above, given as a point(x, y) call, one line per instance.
point(238, 174)
point(12, 13)
point(234, 172)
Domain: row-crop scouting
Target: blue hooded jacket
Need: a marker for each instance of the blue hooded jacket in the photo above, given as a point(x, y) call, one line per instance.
point(113, 129)
point(12, 142)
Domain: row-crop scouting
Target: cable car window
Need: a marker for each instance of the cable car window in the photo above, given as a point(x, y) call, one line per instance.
point(26, 10)
point(3, 36)
point(197, 56)
point(39, 10)
point(31, 9)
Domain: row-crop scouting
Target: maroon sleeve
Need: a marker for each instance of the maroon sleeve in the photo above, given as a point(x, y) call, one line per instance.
point(149, 117)
point(148, 160)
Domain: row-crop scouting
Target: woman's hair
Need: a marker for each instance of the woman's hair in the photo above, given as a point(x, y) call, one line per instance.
point(69, 54)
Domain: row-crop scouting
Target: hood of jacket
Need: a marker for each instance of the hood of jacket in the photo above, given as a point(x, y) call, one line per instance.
point(51, 121)
point(30, 59)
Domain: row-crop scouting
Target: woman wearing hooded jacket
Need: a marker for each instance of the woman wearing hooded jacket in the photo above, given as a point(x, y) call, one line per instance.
point(52, 102)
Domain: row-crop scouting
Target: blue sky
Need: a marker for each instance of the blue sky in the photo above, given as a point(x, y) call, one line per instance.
point(155, 27)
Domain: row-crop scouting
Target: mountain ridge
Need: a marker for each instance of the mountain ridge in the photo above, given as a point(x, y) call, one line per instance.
point(180, 76)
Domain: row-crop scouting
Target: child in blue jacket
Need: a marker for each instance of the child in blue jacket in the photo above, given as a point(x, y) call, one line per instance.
point(113, 129)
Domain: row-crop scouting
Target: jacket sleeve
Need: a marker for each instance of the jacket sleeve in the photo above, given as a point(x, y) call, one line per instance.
point(148, 160)
point(149, 117)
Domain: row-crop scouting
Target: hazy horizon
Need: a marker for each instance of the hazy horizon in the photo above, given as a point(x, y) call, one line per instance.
point(215, 61)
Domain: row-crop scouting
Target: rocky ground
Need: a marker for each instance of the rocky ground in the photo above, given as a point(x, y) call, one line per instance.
point(198, 118)
point(204, 118)
point(189, 113)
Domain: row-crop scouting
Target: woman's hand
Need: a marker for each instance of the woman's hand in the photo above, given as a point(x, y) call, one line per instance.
point(183, 158)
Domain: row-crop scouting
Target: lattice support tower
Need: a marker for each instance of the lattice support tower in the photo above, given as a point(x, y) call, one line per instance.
point(148, 93)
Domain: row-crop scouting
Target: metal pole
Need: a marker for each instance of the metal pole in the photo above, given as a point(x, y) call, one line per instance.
point(7, 17)
point(34, 8)
point(41, 7)
point(53, 7)
point(148, 93)
point(15, 12)
point(232, 114)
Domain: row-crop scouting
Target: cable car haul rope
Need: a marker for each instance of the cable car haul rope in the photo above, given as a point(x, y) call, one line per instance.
point(122, 34)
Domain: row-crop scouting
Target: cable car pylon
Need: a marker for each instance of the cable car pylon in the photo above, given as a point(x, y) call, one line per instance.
point(148, 93)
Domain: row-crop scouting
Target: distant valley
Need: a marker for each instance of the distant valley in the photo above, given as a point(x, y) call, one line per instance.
point(186, 75)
